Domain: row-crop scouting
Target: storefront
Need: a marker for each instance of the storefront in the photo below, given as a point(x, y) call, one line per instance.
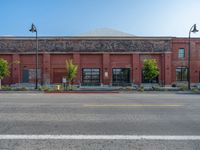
point(116, 61)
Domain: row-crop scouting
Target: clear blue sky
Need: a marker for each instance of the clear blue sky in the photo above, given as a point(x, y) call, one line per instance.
point(73, 17)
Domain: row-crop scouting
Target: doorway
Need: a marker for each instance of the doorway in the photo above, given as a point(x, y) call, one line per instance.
point(25, 76)
point(121, 76)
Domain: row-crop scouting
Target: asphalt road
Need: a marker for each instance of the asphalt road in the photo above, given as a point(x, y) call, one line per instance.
point(109, 115)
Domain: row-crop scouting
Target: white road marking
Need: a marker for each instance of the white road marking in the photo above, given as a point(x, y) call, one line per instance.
point(99, 137)
point(133, 105)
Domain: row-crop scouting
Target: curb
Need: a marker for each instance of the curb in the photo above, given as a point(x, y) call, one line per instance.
point(23, 92)
point(83, 92)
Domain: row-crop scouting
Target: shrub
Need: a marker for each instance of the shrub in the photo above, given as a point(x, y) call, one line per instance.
point(6, 88)
point(129, 88)
point(195, 90)
point(141, 89)
point(44, 88)
point(72, 70)
point(150, 69)
point(183, 88)
point(21, 89)
point(4, 69)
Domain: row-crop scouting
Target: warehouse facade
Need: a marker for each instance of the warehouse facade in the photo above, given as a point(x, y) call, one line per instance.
point(116, 61)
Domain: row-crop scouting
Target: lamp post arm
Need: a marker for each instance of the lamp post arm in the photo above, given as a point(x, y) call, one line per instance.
point(191, 29)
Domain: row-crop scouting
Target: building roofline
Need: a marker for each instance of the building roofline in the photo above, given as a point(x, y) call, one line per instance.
point(89, 37)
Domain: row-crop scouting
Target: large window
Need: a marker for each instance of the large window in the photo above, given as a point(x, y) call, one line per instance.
point(181, 74)
point(90, 76)
point(121, 76)
point(181, 53)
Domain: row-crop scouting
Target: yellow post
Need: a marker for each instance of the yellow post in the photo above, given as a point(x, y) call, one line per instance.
point(58, 87)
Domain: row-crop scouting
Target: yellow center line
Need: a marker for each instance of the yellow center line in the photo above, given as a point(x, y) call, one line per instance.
point(132, 105)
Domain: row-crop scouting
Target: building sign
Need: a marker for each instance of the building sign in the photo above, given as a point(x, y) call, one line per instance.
point(106, 74)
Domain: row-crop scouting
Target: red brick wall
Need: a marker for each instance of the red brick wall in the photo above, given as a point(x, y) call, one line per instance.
point(121, 61)
point(195, 58)
point(53, 64)
point(58, 67)
point(91, 61)
point(28, 61)
point(136, 70)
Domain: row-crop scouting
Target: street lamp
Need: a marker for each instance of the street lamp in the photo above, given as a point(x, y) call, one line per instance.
point(193, 29)
point(34, 29)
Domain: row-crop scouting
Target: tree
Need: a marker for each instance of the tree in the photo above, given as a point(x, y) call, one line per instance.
point(4, 69)
point(71, 71)
point(150, 69)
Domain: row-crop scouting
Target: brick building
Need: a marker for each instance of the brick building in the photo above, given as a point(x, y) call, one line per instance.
point(100, 60)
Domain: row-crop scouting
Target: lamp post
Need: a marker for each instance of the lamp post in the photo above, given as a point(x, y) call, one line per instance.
point(193, 29)
point(34, 29)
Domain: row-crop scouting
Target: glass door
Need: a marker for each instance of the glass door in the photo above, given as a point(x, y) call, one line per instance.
point(121, 76)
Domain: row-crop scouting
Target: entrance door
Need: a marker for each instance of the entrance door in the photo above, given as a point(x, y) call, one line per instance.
point(199, 76)
point(25, 76)
point(121, 76)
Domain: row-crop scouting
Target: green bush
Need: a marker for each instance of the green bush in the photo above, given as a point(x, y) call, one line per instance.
point(71, 88)
point(21, 89)
point(44, 88)
point(49, 90)
point(183, 88)
point(156, 88)
point(195, 90)
point(141, 89)
point(6, 88)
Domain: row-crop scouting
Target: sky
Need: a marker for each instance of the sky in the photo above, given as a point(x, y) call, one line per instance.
point(74, 17)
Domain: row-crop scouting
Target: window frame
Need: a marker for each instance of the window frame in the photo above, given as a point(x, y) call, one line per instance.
point(93, 78)
point(121, 81)
point(182, 69)
point(181, 55)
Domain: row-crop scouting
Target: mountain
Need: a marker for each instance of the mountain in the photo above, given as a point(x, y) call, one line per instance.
point(105, 32)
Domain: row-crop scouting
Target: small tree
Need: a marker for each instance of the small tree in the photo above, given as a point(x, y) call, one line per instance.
point(4, 69)
point(71, 71)
point(150, 69)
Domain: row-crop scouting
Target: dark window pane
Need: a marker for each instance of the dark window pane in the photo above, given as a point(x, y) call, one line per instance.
point(181, 53)
point(184, 74)
point(181, 74)
point(91, 76)
point(178, 74)
point(121, 76)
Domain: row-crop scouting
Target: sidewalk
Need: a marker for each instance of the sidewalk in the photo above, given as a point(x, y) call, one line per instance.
point(106, 89)
point(97, 92)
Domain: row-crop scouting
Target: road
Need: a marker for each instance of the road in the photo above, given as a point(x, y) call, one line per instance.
point(100, 121)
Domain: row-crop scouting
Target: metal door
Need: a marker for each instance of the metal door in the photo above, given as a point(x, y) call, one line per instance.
point(25, 77)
